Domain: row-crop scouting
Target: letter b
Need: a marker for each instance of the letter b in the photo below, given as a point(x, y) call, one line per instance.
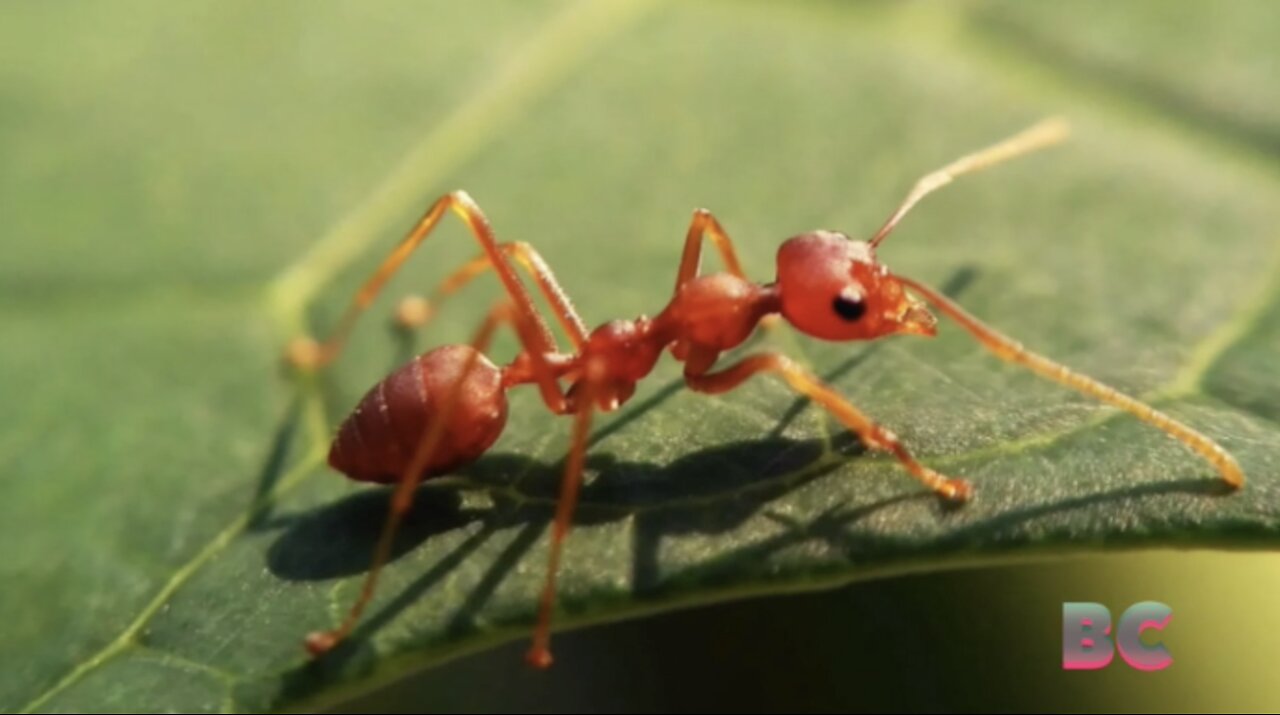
point(1086, 636)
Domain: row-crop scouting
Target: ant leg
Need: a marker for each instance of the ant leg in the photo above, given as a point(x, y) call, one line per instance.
point(539, 654)
point(321, 642)
point(306, 352)
point(414, 312)
point(1009, 350)
point(704, 225)
point(800, 380)
point(1043, 134)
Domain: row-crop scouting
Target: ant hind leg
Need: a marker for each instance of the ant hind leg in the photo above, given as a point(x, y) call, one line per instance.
point(308, 353)
point(429, 445)
point(415, 311)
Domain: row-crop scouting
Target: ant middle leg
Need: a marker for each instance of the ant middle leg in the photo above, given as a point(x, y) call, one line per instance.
point(584, 405)
point(802, 381)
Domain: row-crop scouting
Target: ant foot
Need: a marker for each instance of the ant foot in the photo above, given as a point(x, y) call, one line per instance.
point(320, 642)
point(1232, 474)
point(956, 490)
point(413, 312)
point(539, 657)
point(304, 353)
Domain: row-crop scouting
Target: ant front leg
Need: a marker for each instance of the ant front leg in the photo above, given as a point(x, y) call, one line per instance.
point(1010, 350)
point(800, 380)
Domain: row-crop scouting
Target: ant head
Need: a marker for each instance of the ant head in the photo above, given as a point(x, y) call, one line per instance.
point(832, 287)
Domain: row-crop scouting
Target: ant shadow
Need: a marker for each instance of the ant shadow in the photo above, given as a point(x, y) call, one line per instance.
point(737, 480)
point(336, 540)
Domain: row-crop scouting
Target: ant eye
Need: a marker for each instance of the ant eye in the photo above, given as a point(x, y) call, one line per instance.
point(849, 305)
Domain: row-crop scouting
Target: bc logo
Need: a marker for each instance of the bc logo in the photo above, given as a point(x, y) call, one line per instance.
point(1087, 639)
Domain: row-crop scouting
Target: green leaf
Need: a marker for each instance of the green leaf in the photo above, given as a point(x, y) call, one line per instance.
point(186, 187)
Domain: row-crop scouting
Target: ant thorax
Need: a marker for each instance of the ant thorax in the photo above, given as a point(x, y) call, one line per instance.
point(716, 312)
point(708, 315)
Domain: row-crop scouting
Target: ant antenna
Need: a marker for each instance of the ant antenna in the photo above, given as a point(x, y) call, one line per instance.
point(1045, 133)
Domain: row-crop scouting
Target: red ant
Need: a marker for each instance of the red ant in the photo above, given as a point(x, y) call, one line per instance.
point(446, 407)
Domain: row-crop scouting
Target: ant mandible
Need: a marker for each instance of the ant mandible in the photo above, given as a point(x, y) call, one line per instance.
point(445, 408)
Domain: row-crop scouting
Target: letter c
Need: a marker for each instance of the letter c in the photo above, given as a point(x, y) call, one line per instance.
point(1140, 617)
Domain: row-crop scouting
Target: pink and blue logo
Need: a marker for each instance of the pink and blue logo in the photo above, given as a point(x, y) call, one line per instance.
point(1089, 644)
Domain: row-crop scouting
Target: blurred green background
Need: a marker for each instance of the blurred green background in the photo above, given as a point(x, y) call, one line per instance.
point(185, 186)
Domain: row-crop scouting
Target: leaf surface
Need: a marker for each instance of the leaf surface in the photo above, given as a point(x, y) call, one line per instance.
point(186, 187)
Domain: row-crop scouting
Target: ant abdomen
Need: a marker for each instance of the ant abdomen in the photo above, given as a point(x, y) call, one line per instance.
point(378, 439)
